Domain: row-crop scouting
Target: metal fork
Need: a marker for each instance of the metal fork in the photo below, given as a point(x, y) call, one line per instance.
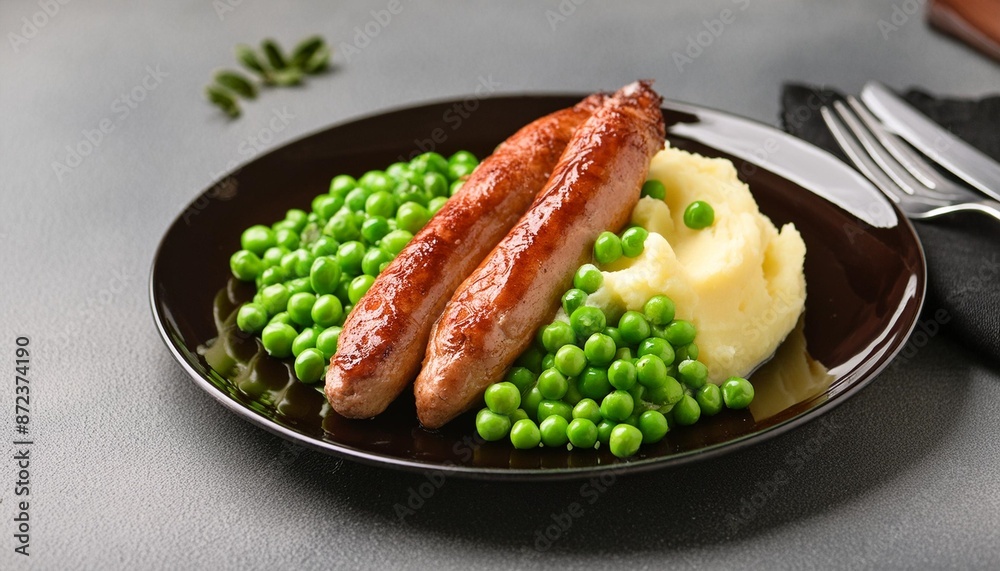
point(896, 169)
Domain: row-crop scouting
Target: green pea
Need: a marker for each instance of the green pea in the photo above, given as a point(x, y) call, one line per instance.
point(274, 298)
point(625, 440)
point(699, 214)
point(272, 256)
point(372, 261)
point(517, 415)
point(343, 289)
point(686, 412)
point(709, 399)
point(548, 361)
point(460, 170)
point(553, 430)
point(634, 241)
point(624, 353)
point(530, 402)
point(287, 238)
point(245, 265)
point(680, 332)
point(573, 299)
point(557, 334)
point(492, 426)
point(303, 262)
point(359, 287)
point(342, 184)
point(651, 371)
point(582, 433)
point(552, 384)
point(297, 217)
point(685, 352)
point(669, 392)
point(587, 321)
point(412, 217)
point(327, 341)
point(502, 398)
point(464, 157)
point(599, 349)
point(617, 406)
point(653, 426)
point(607, 248)
point(435, 185)
point(659, 347)
point(395, 241)
point(604, 429)
point(277, 339)
point(287, 225)
point(589, 409)
point(638, 393)
point(300, 308)
point(622, 374)
point(299, 285)
point(349, 256)
point(693, 373)
point(273, 275)
point(521, 377)
point(375, 181)
point(525, 435)
point(324, 275)
point(342, 227)
point(380, 203)
point(588, 278)
point(436, 204)
point(633, 327)
point(547, 408)
point(455, 187)
point(306, 339)
point(398, 171)
point(737, 393)
point(570, 360)
point(374, 229)
point(282, 318)
point(572, 395)
point(531, 359)
point(654, 189)
point(616, 335)
point(309, 365)
point(287, 263)
point(257, 239)
point(659, 310)
point(593, 383)
point(251, 318)
point(327, 311)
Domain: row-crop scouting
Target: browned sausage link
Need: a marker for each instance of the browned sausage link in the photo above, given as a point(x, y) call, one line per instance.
point(383, 340)
point(495, 312)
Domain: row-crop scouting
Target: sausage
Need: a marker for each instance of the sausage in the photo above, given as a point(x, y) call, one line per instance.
point(383, 340)
point(494, 314)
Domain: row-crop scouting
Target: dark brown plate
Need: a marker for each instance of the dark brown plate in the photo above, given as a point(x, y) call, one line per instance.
point(864, 270)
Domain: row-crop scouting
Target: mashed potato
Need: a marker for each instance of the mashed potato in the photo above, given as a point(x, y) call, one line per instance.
point(740, 281)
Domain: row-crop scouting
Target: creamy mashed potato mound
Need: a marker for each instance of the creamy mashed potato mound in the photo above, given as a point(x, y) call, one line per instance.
point(740, 281)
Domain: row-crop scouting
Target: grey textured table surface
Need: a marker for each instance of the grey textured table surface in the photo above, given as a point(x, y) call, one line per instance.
point(135, 467)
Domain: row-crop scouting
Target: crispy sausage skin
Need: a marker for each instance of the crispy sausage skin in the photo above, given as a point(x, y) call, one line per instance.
point(494, 314)
point(383, 339)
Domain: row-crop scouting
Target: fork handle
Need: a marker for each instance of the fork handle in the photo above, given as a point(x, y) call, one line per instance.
point(988, 207)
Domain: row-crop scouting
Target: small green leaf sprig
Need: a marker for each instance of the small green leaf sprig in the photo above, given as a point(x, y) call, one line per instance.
point(271, 67)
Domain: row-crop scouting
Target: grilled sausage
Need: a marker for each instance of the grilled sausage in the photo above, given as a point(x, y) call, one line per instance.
point(494, 314)
point(383, 339)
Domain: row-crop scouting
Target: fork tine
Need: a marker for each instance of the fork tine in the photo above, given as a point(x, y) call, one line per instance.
point(856, 153)
point(920, 170)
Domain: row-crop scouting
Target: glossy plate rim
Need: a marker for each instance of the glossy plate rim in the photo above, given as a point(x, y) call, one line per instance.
point(568, 473)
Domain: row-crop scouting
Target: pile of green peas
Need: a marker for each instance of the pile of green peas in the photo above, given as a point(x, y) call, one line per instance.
point(587, 382)
point(311, 268)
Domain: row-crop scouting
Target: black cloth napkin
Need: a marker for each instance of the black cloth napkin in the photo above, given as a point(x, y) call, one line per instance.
point(963, 251)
